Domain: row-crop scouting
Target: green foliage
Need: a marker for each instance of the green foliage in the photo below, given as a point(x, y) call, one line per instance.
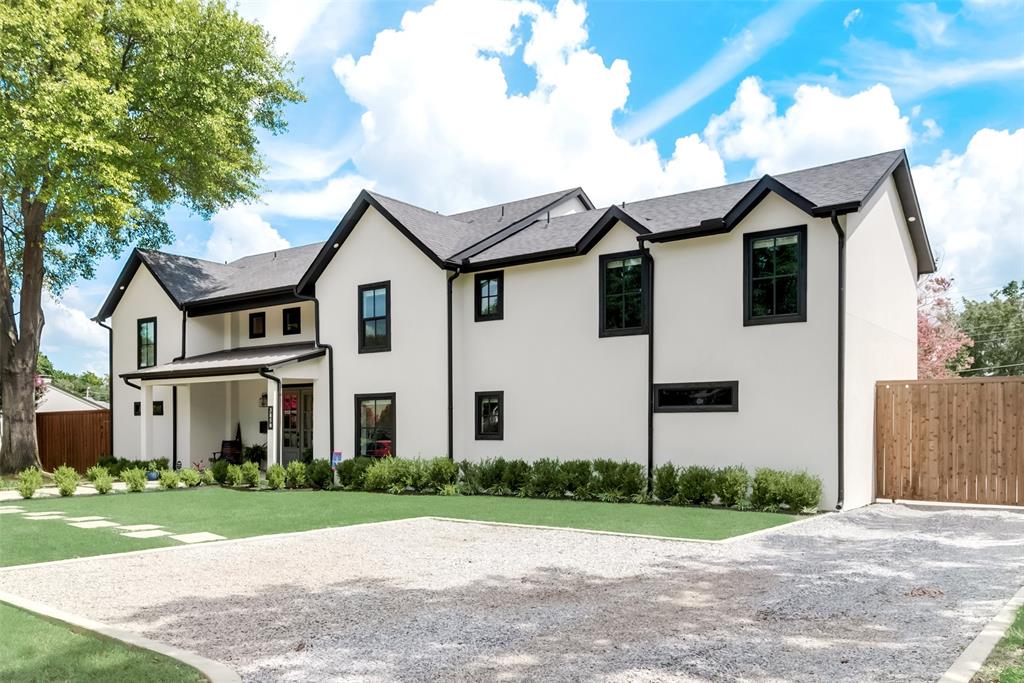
point(234, 476)
point(577, 475)
point(86, 384)
point(449, 490)
point(276, 476)
point(135, 479)
point(772, 489)
point(251, 474)
point(350, 472)
point(115, 466)
point(995, 326)
point(488, 474)
point(731, 485)
point(696, 485)
point(30, 480)
point(666, 482)
point(219, 469)
point(515, 477)
point(387, 474)
point(617, 481)
point(256, 453)
point(103, 483)
point(208, 478)
point(295, 474)
point(96, 471)
point(66, 479)
point(190, 477)
point(169, 479)
point(320, 474)
point(158, 465)
point(546, 479)
point(442, 472)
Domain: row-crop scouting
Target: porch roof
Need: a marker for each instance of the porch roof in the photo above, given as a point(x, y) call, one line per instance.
point(232, 362)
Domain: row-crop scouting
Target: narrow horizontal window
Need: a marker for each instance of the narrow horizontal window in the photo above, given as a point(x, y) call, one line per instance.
point(697, 397)
point(490, 415)
point(258, 325)
point(292, 321)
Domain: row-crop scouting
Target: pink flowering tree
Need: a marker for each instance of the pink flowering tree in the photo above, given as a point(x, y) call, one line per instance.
point(943, 348)
point(39, 385)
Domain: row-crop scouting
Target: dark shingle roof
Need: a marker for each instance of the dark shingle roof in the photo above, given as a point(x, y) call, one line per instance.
point(507, 213)
point(232, 361)
point(542, 235)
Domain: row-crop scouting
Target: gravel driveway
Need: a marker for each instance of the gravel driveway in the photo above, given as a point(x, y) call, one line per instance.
point(882, 593)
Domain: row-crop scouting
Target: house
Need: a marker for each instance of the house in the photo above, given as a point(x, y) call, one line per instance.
point(743, 324)
point(57, 400)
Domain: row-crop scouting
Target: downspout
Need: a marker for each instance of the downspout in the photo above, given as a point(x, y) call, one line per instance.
point(174, 400)
point(133, 386)
point(840, 357)
point(451, 381)
point(330, 366)
point(649, 258)
point(110, 381)
point(265, 372)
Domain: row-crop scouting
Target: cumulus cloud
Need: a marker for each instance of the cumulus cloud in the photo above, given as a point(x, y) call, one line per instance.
point(69, 331)
point(240, 231)
point(329, 202)
point(306, 26)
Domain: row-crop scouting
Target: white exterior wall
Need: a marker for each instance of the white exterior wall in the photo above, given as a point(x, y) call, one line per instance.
point(786, 372)
point(315, 372)
point(416, 367)
point(275, 325)
point(881, 325)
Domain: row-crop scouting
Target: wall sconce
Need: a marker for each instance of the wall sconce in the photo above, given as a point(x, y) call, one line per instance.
point(263, 400)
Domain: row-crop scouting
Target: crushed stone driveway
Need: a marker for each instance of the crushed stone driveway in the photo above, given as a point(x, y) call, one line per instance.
point(885, 593)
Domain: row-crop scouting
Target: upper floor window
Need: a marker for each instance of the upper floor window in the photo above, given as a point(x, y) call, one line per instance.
point(775, 276)
point(258, 325)
point(375, 317)
point(146, 342)
point(625, 283)
point(292, 321)
point(490, 296)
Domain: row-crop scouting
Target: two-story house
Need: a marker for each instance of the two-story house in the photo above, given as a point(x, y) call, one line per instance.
point(744, 324)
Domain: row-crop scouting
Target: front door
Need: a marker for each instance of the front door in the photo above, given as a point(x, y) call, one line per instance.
point(297, 421)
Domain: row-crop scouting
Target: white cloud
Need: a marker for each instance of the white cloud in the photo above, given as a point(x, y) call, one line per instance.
point(927, 23)
point(69, 333)
point(291, 160)
point(819, 127)
point(239, 231)
point(932, 130)
point(305, 26)
point(973, 204)
point(329, 202)
point(853, 16)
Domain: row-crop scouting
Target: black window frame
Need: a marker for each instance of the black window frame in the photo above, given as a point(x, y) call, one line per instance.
point(297, 311)
point(361, 321)
point(801, 314)
point(734, 407)
point(478, 398)
point(137, 408)
point(499, 313)
point(261, 315)
point(645, 290)
point(138, 342)
point(158, 408)
point(359, 398)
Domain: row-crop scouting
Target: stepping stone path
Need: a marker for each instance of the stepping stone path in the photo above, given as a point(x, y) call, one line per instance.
point(129, 530)
point(198, 537)
point(95, 524)
point(84, 519)
point(39, 517)
point(8, 509)
point(139, 527)
point(151, 533)
point(48, 513)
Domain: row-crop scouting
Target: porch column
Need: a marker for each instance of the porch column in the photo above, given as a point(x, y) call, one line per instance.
point(146, 424)
point(185, 425)
point(273, 423)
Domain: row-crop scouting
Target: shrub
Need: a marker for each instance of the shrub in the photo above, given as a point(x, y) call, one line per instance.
point(29, 481)
point(767, 489)
point(275, 476)
point(208, 478)
point(158, 465)
point(234, 476)
point(104, 483)
point(577, 475)
point(417, 474)
point(516, 476)
point(731, 485)
point(442, 472)
point(546, 479)
point(632, 479)
point(169, 479)
point(251, 474)
point(67, 480)
point(448, 490)
point(387, 474)
point(666, 482)
point(470, 475)
point(606, 477)
point(801, 491)
point(615, 481)
point(190, 477)
point(135, 479)
point(696, 485)
point(295, 474)
point(320, 474)
point(219, 469)
point(489, 474)
point(256, 453)
point(96, 471)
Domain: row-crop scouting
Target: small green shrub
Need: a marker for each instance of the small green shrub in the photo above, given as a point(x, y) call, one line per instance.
point(29, 481)
point(96, 471)
point(251, 474)
point(320, 474)
point(208, 478)
point(442, 472)
point(617, 481)
point(135, 479)
point(768, 488)
point(489, 474)
point(66, 479)
point(275, 476)
point(190, 477)
point(417, 476)
point(295, 474)
point(219, 468)
point(633, 479)
point(234, 476)
point(696, 485)
point(731, 485)
point(158, 465)
point(801, 491)
point(388, 474)
point(103, 483)
point(577, 476)
point(169, 479)
point(516, 476)
point(448, 490)
point(546, 479)
point(666, 482)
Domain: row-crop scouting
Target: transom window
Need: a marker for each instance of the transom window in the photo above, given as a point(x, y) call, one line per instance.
point(624, 300)
point(490, 296)
point(775, 270)
point(146, 342)
point(375, 425)
point(291, 321)
point(697, 397)
point(490, 418)
point(257, 325)
point(375, 317)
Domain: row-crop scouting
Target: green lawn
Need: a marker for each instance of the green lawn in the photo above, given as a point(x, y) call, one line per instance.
point(35, 649)
point(1006, 663)
point(237, 514)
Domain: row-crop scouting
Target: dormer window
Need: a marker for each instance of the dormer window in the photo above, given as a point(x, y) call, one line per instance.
point(257, 325)
point(292, 321)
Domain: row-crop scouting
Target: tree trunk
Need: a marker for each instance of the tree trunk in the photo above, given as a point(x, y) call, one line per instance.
point(20, 447)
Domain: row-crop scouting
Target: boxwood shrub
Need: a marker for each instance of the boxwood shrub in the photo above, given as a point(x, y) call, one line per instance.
point(276, 476)
point(731, 485)
point(696, 485)
point(169, 479)
point(135, 479)
point(295, 474)
point(351, 472)
point(442, 472)
point(251, 474)
point(219, 468)
point(320, 474)
point(666, 482)
point(66, 479)
point(578, 475)
point(30, 480)
point(796, 490)
point(546, 479)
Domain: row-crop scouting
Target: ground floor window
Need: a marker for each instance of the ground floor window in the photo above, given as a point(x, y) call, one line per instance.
point(697, 397)
point(158, 408)
point(490, 415)
point(375, 425)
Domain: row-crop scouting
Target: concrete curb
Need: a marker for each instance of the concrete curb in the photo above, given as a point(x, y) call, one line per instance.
point(214, 671)
point(972, 659)
point(950, 505)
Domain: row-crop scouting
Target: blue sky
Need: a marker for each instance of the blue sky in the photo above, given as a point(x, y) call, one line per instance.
point(459, 103)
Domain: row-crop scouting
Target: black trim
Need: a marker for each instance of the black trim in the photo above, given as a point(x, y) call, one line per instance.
point(359, 398)
point(649, 257)
point(110, 381)
point(645, 287)
point(297, 312)
point(499, 313)
point(137, 408)
point(174, 428)
point(220, 371)
point(479, 397)
point(242, 302)
point(158, 408)
point(138, 342)
point(840, 359)
point(451, 367)
point(253, 317)
point(801, 314)
point(124, 279)
point(361, 321)
point(733, 407)
point(330, 366)
point(184, 323)
point(274, 417)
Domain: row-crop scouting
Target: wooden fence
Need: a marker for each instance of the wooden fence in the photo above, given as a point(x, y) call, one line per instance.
point(74, 438)
point(959, 440)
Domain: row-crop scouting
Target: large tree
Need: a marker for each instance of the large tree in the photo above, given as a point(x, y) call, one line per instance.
point(997, 326)
point(110, 112)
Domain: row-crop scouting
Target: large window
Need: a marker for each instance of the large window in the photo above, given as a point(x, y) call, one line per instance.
point(697, 397)
point(625, 283)
point(490, 415)
point(375, 317)
point(775, 276)
point(490, 296)
point(291, 321)
point(258, 325)
point(375, 425)
point(146, 342)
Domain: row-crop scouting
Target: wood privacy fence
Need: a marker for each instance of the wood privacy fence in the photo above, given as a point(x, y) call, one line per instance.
point(959, 440)
point(74, 438)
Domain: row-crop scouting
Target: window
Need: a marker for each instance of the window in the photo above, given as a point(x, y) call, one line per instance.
point(158, 408)
point(137, 408)
point(258, 325)
point(697, 397)
point(489, 296)
point(624, 283)
point(292, 321)
point(146, 342)
point(490, 415)
point(375, 317)
point(775, 276)
point(375, 425)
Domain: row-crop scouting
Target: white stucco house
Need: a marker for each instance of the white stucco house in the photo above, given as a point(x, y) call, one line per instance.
point(743, 324)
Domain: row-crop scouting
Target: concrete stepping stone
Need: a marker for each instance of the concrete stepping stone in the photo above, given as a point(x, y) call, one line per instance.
point(151, 533)
point(36, 518)
point(10, 511)
point(48, 513)
point(140, 527)
point(84, 519)
point(95, 524)
point(198, 537)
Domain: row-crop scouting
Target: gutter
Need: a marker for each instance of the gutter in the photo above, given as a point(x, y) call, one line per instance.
point(265, 372)
point(330, 364)
point(174, 398)
point(840, 356)
point(649, 258)
point(110, 380)
point(451, 382)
